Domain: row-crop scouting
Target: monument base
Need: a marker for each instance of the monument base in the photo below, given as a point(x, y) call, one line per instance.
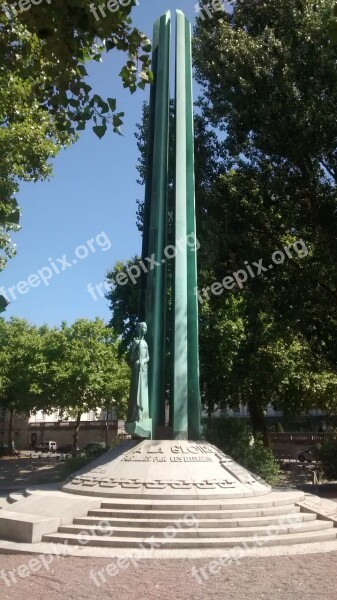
point(167, 469)
point(183, 496)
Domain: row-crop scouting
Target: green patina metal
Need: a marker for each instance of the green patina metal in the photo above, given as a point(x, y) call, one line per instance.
point(185, 401)
point(180, 345)
point(194, 400)
point(157, 232)
point(138, 422)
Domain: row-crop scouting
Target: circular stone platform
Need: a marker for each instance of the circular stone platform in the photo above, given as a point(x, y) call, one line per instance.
point(167, 469)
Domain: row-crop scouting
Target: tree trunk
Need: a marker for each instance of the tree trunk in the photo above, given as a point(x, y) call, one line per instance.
point(10, 430)
point(3, 421)
point(257, 419)
point(76, 432)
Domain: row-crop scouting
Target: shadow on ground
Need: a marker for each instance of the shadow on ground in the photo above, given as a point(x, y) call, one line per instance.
point(28, 471)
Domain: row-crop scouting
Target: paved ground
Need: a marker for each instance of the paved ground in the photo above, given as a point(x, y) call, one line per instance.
point(311, 577)
point(22, 472)
point(295, 577)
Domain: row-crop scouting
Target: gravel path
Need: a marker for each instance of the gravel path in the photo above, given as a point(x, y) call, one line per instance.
point(304, 577)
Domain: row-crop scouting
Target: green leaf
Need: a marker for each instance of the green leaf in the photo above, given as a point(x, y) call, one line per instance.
point(87, 88)
point(104, 106)
point(110, 45)
point(100, 130)
point(117, 120)
point(3, 304)
point(82, 70)
point(112, 103)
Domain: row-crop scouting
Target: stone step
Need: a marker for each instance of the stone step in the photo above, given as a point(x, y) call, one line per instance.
point(322, 535)
point(157, 523)
point(199, 514)
point(174, 532)
point(267, 501)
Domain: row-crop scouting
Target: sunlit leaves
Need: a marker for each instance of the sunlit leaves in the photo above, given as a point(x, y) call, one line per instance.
point(67, 36)
point(84, 371)
point(45, 99)
point(71, 369)
point(269, 82)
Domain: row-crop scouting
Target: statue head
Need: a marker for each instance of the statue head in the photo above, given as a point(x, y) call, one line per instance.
point(141, 329)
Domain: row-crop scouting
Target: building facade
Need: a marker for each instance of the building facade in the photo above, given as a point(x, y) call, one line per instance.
point(29, 432)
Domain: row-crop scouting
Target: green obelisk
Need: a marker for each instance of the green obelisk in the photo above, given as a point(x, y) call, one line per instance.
point(185, 401)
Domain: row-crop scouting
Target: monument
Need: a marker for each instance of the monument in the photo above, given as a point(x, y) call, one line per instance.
point(170, 458)
point(166, 472)
point(179, 357)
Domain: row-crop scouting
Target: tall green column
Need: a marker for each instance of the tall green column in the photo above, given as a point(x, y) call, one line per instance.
point(155, 226)
point(194, 400)
point(186, 389)
point(149, 169)
point(180, 352)
point(185, 406)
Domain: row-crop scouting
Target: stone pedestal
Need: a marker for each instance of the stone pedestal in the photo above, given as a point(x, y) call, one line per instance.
point(168, 469)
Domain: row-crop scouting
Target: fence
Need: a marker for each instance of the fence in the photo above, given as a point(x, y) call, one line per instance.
point(288, 445)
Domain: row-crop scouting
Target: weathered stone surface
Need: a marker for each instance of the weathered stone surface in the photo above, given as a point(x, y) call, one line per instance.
point(323, 508)
point(170, 469)
point(25, 527)
point(30, 518)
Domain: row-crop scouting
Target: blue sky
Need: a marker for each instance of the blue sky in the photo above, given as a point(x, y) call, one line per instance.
point(93, 190)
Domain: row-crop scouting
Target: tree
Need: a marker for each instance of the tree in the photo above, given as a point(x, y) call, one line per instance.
point(71, 369)
point(84, 372)
point(265, 168)
point(269, 83)
point(45, 100)
point(58, 40)
point(22, 367)
point(256, 353)
point(124, 302)
point(234, 437)
point(276, 100)
point(29, 137)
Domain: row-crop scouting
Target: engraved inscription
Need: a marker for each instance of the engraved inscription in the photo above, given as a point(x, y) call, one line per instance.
point(179, 453)
point(157, 484)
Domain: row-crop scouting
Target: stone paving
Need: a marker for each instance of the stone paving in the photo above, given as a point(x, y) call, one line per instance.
point(311, 577)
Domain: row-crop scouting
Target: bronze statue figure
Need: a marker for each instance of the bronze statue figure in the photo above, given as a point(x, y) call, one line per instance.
point(138, 421)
